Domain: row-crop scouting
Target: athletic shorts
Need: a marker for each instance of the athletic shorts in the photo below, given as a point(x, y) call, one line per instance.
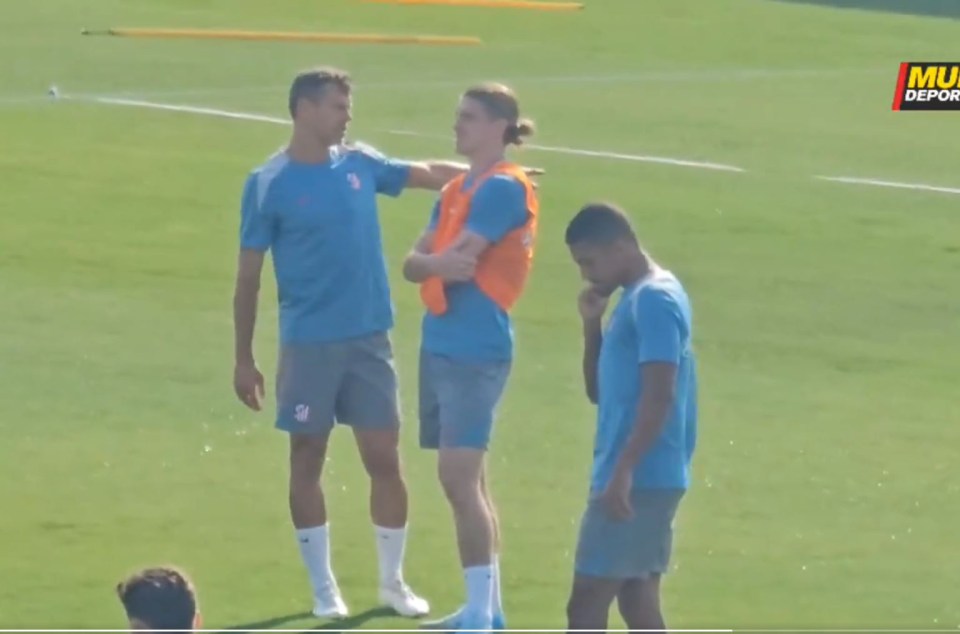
point(351, 382)
point(458, 401)
point(637, 548)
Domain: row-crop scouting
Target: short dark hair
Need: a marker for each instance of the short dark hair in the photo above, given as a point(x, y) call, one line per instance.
point(161, 598)
point(312, 84)
point(599, 223)
point(501, 102)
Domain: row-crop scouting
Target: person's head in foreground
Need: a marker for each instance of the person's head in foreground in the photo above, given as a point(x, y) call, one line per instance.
point(488, 120)
point(320, 105)
point(603, 244)
point(161, 598)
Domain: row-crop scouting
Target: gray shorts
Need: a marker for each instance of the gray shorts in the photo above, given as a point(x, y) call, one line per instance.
point(635, 549)
point(458, 401)
point(349, 382)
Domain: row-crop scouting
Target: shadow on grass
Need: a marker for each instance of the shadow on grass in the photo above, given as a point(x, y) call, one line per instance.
point(340, 625)
point(266, 624)
point(352, 622)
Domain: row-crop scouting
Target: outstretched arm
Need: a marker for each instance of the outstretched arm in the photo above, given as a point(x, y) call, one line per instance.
point(433, 175)
point(393, 175)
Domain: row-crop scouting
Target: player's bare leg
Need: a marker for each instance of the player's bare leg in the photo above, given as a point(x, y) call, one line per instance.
point(309, 515)
point(639, 603)
point(460, 474)
point(498, 613)
point(452, 621)
point(379, 450)
point(589, 604)
point(492, 509)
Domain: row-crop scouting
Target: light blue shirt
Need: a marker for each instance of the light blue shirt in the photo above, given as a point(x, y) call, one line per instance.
point(650, 323)
point(475, 328)
point(321, 223)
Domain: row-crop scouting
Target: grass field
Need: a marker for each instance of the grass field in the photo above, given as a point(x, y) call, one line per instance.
point(827, 314)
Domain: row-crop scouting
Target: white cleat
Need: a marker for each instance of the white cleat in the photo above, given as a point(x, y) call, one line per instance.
point(330, 605)
point(403, 601)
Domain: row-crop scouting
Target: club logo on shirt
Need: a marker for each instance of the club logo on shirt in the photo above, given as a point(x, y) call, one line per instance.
point(354, 181)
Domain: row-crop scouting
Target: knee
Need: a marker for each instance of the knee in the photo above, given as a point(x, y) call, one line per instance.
point(306, 463)
point(380, 453)
point(460, 490)
point(383, 465)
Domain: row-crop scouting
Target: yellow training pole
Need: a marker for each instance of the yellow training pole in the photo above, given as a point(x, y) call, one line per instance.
point(534, 5)
point(283, 36)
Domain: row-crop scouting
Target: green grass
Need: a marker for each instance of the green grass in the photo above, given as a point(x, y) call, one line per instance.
point(827, 315)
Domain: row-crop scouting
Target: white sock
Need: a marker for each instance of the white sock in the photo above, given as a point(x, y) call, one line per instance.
point(315, 552)
point(479, 590)
point(497, 597)
point(390, 547)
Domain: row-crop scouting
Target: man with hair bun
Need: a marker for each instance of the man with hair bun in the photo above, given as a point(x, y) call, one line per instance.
point(472, 263)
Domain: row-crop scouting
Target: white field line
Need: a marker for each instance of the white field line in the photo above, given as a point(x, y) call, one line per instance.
point(652, 76)
point(639, 158)
point(853, 180)
point(230, 114)
point(213, 112)
point(246, 116)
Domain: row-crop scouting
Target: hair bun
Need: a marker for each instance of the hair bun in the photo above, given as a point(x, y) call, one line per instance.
point(517, 131)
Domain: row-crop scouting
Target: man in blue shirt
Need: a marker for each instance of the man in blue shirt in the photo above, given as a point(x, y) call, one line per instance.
point(476, 251)
point(640, 371)
point(313, 204)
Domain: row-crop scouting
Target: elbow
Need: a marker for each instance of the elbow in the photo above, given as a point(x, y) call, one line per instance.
point(665, 399)
point(246, 292)
point(247, 283)
point(660, 405)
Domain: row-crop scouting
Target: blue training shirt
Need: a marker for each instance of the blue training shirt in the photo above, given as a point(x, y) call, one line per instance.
point(320, 221)
point(475, 328)
point(651, 322)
